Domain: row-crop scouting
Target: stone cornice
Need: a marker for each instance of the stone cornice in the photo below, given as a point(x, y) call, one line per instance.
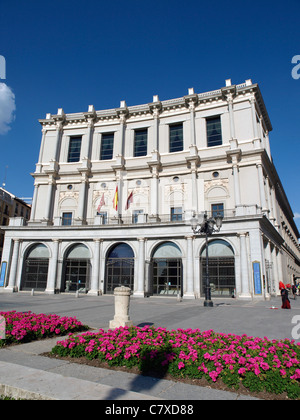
point(229, 92)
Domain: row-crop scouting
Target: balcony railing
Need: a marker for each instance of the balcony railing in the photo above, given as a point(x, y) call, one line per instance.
point(141, 218)
point(137, 219)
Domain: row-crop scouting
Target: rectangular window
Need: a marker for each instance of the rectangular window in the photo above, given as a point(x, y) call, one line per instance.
point(104, 216)
point(67, 219)
point(135, 216)
point(176, 138)
point(140, 142)
point(213, 131)
point(176, 213)
point(217, 210)
point(107, 146)
point(74, 149)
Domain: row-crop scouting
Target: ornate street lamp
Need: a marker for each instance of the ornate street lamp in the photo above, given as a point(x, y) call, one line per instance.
point(206, 226)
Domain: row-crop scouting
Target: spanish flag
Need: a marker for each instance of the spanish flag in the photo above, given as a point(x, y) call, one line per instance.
point(115, 200)
point(129, 200)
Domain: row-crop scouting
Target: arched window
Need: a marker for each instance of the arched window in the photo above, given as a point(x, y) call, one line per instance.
point(221, 268)
point(35, 268)
point(166, 270)
point(119, 267)
point(77, 269)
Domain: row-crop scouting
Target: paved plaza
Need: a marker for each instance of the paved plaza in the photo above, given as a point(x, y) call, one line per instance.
point(25, 373)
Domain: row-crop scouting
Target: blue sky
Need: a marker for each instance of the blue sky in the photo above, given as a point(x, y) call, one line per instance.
point(71, 54)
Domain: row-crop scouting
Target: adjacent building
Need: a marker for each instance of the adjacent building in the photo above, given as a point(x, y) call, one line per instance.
point(115, 190)
point(11, 206)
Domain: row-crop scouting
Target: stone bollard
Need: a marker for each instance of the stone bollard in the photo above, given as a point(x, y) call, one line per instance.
point(122, 298)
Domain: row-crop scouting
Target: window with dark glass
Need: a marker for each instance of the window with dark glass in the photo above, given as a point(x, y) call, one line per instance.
point(176, 213)
point(140, 142)
point(74, 149)
point(176, 138)
point(217, 210)
point(67, 219)
point(107, 146)
point(214, 131)
point(135, 215)
point(103, 215)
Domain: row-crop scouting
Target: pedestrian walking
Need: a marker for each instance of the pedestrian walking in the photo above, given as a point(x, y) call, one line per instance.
point(285, 299)
point(294, 290)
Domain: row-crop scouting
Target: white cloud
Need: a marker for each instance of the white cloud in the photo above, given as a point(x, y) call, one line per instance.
point(7, 108)
point(297, 216)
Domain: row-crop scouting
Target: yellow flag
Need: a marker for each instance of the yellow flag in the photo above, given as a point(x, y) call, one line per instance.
point(115, 200)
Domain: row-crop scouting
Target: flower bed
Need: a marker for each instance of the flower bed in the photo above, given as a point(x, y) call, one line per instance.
point(259, 364)
point(27, 326)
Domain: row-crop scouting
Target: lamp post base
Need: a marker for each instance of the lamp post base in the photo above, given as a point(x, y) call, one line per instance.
point(208, 302)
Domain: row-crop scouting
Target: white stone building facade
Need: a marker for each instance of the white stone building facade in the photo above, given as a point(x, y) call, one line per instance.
point(167, 160)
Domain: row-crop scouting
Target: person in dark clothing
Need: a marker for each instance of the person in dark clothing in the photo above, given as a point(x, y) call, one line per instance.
point(285, 299)
point(294, 290)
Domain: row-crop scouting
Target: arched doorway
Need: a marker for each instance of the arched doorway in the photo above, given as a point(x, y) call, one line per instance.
point(221, 268)
point(35, 268)
point(119, 267)
point(77, 269)
point(166, 270)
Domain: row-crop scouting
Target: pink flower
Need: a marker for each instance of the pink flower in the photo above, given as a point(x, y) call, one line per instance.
point(296, 375)
point(282, 372)
point(264, 366)
point(214, 375)
point(181, 365)
point(256, 370)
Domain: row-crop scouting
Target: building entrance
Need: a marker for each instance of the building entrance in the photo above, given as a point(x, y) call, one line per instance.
point(35, 270)
point(221, 268)
point(166, 267)
point(77, 270)
point(119, 268)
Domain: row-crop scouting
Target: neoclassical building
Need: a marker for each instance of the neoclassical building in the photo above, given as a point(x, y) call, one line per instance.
point(115, 190)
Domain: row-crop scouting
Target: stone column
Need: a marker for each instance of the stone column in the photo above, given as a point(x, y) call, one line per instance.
point(155, 108)
point(156, 128)
point(49, 198)
point(234, 156)
point(245, 292)
point(236, 179)
point(122, 118)
point(154, 165)
point(52, 271)
point(86, 147)
point(34, 201)
point(233, 140)
point(192, 126)
point(139, 292)
point(275, 255)
point(39, 164)
point(82, 197)
point(254, 121)
point(261, 184)
point(96, 268)
point(59, 131)
point(189, 292)
point(122, 302)
point(268, 273)
point(154, 193)
point(14, 266)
